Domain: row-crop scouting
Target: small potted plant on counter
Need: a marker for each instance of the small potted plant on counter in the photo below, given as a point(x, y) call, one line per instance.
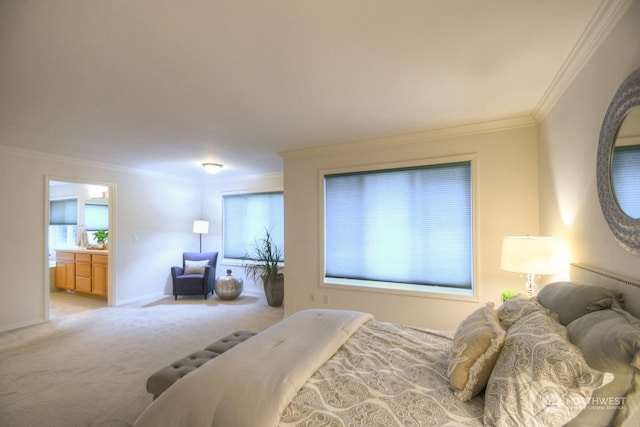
point(102, 237)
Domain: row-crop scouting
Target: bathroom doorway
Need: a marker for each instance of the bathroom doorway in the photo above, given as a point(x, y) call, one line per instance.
point(79, 249)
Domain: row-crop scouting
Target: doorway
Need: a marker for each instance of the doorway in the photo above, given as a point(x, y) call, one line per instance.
point(79, 250)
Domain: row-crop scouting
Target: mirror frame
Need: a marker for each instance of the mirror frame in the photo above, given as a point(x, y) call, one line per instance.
point(625, 229)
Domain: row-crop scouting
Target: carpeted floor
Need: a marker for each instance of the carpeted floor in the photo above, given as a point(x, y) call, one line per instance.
point(90, 368)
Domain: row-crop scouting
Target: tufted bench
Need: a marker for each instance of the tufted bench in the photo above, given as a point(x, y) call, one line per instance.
point(165, 377)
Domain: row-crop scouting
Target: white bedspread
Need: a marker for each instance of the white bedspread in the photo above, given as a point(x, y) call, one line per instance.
point(252, 384)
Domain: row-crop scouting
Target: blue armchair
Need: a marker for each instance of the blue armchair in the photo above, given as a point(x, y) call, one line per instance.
point(197, 276)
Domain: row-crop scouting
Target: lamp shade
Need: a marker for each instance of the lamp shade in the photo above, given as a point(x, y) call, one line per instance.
point(200, 226)
point(529, 255)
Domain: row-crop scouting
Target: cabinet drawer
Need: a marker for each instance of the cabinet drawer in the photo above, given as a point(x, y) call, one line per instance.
point(100, 259)
point(83, 257)
point(83, 284)
point(64, 256)
point(83, 269)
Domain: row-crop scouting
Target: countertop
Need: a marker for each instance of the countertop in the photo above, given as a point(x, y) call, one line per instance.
point(84, 251)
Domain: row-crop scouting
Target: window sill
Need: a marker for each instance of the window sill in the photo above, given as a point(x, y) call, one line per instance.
point(403, 289)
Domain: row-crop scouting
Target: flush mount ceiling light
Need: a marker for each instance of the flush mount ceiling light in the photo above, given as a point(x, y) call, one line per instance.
point(212, 167)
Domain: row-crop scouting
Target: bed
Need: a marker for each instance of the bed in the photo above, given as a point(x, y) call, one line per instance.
point(570, 356)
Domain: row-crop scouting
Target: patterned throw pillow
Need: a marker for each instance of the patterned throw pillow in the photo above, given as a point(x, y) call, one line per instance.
point(195, 267)
point(519, 306)
point(474, 351)
point(540, 378)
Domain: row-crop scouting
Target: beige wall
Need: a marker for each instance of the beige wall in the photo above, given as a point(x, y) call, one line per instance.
point(159, 210)
point(507, 203)
point(568, 148)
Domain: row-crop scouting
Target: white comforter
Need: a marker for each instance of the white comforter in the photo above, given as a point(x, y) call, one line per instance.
point(252, 384)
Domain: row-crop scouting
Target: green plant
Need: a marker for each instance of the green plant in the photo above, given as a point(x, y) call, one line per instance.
point(101, 236)
point(264, 258)
point(508, 293)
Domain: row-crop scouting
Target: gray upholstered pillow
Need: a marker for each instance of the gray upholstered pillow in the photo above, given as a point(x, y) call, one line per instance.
point(610, 341)
point(540, 378)
point(572, 300)
point(195, 267)
point(517, 307)
point(476, 345)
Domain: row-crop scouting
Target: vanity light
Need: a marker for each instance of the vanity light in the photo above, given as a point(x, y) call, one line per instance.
point(212, 167)
point(530, 255)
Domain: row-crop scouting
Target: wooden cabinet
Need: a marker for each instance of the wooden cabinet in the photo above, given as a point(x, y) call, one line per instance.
point(65, 271)
point(99, 268)
point(83, 272)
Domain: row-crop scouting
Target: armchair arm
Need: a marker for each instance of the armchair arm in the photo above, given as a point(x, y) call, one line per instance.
point(176, 271)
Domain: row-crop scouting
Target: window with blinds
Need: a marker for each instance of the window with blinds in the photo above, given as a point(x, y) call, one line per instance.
point(96, 216)
point(411, 226)
point(63, 212)
point(625, 173)
point(245, 219)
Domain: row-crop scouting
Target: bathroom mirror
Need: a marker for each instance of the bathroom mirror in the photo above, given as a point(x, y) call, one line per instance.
point(617, 164)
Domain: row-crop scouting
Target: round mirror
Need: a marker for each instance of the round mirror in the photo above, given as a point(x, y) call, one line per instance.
point(618, 166)
point(625, 165)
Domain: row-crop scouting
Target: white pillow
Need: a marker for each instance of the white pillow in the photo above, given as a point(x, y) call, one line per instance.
point(540, 378)
point(195, 267)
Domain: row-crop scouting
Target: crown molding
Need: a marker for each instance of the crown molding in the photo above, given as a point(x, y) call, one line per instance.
point(605, 19)
point(429, 135)
point(83, 162)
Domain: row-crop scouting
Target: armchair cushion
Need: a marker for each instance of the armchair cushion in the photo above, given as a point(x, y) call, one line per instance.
point(195, 267)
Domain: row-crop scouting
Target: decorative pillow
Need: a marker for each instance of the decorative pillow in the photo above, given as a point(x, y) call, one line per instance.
point(519, 306)
point(572, 300)
point(610, 341)
point(195, 267)
point(540, 378)
point(476, 345)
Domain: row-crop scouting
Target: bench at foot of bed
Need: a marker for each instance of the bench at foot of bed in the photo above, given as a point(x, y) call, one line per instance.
point(165, 377)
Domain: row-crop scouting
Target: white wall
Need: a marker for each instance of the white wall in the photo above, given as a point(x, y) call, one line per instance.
point(568, 149)
point(159, 210)
point(507, 202)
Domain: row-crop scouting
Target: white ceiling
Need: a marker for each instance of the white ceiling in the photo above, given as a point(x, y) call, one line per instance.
point(164, 85)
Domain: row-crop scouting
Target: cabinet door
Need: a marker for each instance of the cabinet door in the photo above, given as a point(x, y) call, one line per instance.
point(70, 268)
point(100, 280)
point(61, 275)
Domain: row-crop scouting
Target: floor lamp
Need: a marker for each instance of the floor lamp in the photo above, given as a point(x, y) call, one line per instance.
point(201, 227)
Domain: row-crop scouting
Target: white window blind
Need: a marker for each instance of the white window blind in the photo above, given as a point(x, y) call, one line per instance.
point(63, 212)
point(625, 172)
point(411, 225)
point(96, 217)
point(247, 216)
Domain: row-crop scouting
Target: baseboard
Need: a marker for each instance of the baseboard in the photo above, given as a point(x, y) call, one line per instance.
point(15, 326)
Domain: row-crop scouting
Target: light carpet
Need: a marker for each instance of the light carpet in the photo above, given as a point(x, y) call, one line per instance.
point(90, 368)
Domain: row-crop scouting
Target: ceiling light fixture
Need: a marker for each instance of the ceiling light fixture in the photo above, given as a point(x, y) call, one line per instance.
point(212, 167)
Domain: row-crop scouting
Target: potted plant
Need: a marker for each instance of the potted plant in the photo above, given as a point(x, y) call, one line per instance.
point(102, 237)
point(507, 293)
point(264, 261)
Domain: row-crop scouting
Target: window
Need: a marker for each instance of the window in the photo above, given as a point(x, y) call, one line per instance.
point(247, 216)
point(404, 228)
point(625, 173)
point(63, 222)
point(96, 216)
point(63, 212)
